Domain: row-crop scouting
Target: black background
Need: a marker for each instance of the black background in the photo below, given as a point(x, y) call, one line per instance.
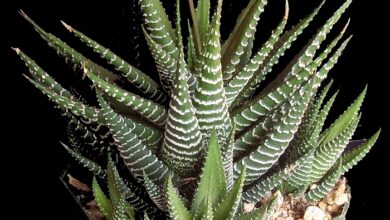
point(33, 159)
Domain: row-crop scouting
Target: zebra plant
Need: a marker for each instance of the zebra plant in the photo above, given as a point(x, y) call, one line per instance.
point(204, 141)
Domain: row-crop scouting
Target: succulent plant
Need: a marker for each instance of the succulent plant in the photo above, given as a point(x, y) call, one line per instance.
point(207, 138)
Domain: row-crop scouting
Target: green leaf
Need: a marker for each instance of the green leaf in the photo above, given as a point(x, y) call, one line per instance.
point(264, 212)
point(242, 36)
point(155, 193)
point(209, 97)
point(343, 120)
point(227, 152)
point(132, 193)
point(69, 53)
point(275, 143)
point(182, 138)
point(229, 205)
point(300, 176)
point(159, 26)
point(191, 51)
point(236, 84)
point(203, 18)
point(350, 159)
point(102, 201)
point(258, 190)
point(139, 79)
point(306, 55)
point(166, 65)
point(280, 47)
point(119, 211)
point(155, 113)
point(212, 186)
point(177, 210)
point(87, 163)
point(137, 157)
point(76, 107)
point(326, 185)
point(42, 77)
point(268, 100)
point(150, 136)
point(327, 153)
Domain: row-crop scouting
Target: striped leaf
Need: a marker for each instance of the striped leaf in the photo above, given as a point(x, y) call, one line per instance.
point(280, 47)
point(42, 77)
point(69, 53)
point(155, 113)
point(274, 144)
point(238, 81)
point(182, 138)
point(137, 157)
point(263, 103)
point(135, 196)
point(209, 97)
point(75, 107)
point(139, 79)
point(327, 153)
point(159, 26)
point(87, 163)
point(350, 159)
point(166, 65)
point(327, 183)
point(343, 120)
point(155, 193)
point(255, 192)
point(241, 39)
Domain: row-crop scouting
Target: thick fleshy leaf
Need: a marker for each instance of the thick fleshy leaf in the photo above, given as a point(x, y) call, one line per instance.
point(182, 138)
point(327, 153)
point(155, 193)
point(280, 47)
point(203, 18)
point(155, 113)
point(265, 212)
point(177, 209)
point(266, 101)
point(166, 65)
point(133, 194)
point(41, 76)
point(343, 120)
point(209, 97)
point(102, 201)
point(137, 157)
point(212, 185)
point(350, 159)
point(70, 54)
point(258, 190)
point(236, 84)
point(229, 205)
point(274, 144)
point(159, 26)
point(87, 163)
point(139, 79)
point(241, 39)
point(327, 183)
point(76, 107)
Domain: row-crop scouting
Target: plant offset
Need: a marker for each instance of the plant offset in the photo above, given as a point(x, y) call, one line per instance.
point(206, 141)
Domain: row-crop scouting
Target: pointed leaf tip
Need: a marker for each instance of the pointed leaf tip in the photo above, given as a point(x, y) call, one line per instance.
point(68, 27)
point(17, 50)
point(286, 10)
